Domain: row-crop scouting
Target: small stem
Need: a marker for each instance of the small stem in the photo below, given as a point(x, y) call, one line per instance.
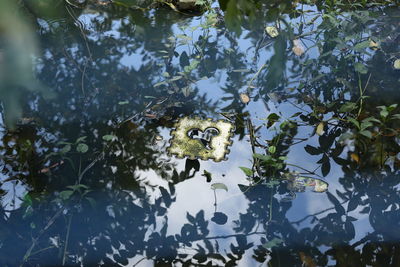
point(318, 213)
point(270, 206)
point(215, 201)
point(66, 241)
point(297, 166)
point(233, 235)
point(255, 76)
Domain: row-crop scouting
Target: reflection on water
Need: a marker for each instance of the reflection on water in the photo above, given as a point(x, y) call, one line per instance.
point(86, 177)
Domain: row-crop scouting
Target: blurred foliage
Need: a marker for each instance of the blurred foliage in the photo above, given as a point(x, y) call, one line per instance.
point(18, 45)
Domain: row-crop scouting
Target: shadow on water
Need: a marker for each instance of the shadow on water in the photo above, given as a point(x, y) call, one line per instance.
point(85, 176)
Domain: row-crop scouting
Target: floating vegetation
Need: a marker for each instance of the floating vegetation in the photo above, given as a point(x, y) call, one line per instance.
point(196, 138)
point(272, 31)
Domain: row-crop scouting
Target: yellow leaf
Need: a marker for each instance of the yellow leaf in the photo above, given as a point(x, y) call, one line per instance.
point(355, 157)
point(272, 31)
point(396, 64)
point(320, 129)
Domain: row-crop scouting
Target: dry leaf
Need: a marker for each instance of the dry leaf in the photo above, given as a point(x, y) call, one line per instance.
point(373, 45)
point(355, 157)
point(150, 115)
point(244, 98)
point(298, 48)
point(272, 31)
point(307, 260)
point(320, 129)
point(47, 169)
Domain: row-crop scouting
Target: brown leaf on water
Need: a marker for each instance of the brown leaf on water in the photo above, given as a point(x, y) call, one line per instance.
point(47, 169)
point(298, 48)
point(150, 115)
point(306, 260)
point(244, 98)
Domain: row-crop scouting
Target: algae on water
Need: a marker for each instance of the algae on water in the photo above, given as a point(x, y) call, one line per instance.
point(211, 141)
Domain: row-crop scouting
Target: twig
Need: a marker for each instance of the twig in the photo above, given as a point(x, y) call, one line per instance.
point(88, 167)
point(34, 240)
point(318, 213)
point(139, 261)
point(308, 171)
point(232, 235)
point(255, 76)
point(66, 241)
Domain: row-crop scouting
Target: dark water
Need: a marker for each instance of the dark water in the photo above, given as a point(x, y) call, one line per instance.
point(86, 177)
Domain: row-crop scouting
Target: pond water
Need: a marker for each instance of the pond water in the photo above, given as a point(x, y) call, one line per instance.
point(91, 91)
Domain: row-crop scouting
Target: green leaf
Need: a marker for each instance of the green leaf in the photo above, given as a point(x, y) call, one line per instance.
point(366, 133)
point(175, 78)
point(365, 124)
point(392, 107)
point(265, 158)
point(272, 149)
point(82, 148)
point(64, 143)
point(247, 171)
point(27, 200)
point(369, 119)
point(216, 186)
point(123, 102)
point(273, 243)
point(361, 68)
point(355, 122)
point(159, 84)
point(81, 139)
point(64, 195)
point(347, 107)
point(396, 116)
point(361, 46)
point(384, 113)
point(109, 137)
point(66, 149)
point(344, 137)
